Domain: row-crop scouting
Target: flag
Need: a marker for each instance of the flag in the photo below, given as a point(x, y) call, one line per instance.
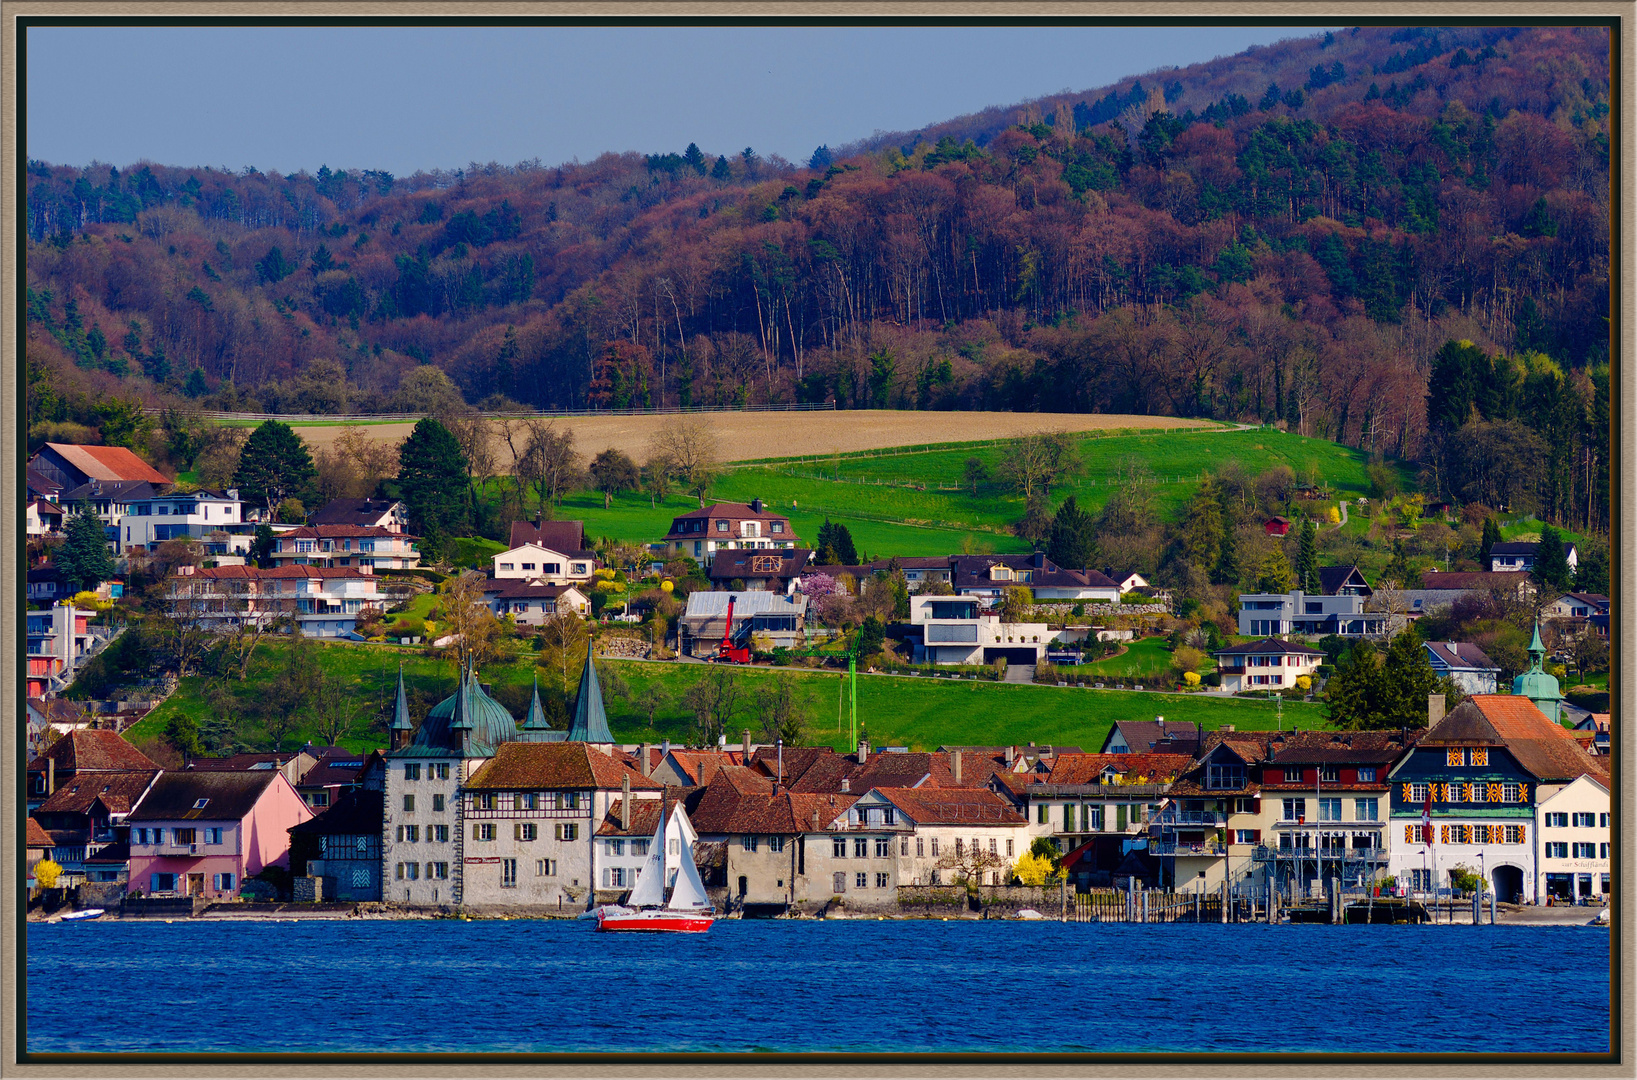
point(1426, 820)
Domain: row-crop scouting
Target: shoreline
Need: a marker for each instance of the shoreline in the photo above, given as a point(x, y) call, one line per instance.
point(1524, 916)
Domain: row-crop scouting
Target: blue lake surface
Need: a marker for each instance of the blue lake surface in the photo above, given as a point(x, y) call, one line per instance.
point(805, 986)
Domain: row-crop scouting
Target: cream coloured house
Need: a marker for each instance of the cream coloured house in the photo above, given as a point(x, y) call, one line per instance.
point(1573, 827)
point(536, 562)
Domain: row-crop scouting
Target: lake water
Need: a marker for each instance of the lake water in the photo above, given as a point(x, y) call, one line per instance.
point(520, 986)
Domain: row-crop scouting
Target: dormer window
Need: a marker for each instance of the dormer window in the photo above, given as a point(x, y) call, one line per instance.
point(722, 526)
point(775, 527)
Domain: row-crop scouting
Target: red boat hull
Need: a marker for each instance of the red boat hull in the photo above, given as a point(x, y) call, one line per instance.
point(656, 922)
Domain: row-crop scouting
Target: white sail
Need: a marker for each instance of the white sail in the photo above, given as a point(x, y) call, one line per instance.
point(688, 892)
point(649, 890)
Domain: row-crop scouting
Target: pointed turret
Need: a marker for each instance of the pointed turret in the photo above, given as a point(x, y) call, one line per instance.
point(590, 718)
point(460, 722)
point(401, 727)
point(1535, 684)
point(536, 719)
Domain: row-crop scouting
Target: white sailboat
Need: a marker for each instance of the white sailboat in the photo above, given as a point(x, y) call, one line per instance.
point(670, 867)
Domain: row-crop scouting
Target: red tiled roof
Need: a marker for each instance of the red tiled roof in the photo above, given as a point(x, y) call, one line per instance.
point(526, 766)
point(561, 536)
point(1546, 749)
point(1088, 768)
point(324, 532)
point(952, 806)
point(37, 837)
point(252, 573)
point(93, 750)
point(117, 790)
point(644, 818)
point(108, 463)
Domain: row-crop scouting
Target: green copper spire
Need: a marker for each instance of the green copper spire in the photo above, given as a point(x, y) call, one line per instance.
point(400, 715)
point(590, 718)
point(1535, 684)
point(536, 720)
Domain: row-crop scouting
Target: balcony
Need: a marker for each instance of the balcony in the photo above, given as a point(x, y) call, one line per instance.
point(1182, 847)
point(179, 851)
point(1190, 817)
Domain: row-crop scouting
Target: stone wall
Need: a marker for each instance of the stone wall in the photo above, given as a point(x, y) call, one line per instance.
point(993, 901)
point(307, 890)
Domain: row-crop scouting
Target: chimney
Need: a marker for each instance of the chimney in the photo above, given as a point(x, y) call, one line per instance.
point(1435, 708)
point(756, 505)
point(647, 763)
point(1011, 756)
point(815, 821)
point(846, 786)
point(744, 745)
point(233, 493)
point(50, 775)
point(625, 803)
point(957, 766)
point(1227, 727)
point(863, 751)
point(1039, 559)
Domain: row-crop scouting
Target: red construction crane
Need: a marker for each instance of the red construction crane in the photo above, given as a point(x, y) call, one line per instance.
point(726, 652)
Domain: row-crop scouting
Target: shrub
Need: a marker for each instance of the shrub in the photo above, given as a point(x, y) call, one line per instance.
point(47, 873)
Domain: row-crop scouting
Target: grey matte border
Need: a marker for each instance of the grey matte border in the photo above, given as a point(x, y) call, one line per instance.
point(12, 420)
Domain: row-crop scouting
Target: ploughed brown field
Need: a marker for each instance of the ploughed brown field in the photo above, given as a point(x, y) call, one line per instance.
point(743, 436)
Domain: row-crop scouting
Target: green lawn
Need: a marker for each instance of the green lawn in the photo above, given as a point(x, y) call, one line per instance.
point(894, 710)
point(915, 503)
point(1144, 658)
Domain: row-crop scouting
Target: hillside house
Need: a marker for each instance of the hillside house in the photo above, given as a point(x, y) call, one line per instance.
point(156, 515)
point(1576, 606)
point(1515, 556)
point(953, 630)
point(537, 563)
point(769, 618)
point(68, 465)
point(990, 576)
point(532, 603)
point(1269, 664)
point(1276, 526)
point(1297, 612)
point(43, 518)
point(204, 833)
point(323, 601)
point(758, 571)
point(699, 534)
point(1465, 663)
point(80, 753)
point(372, 546)
point(388, 514)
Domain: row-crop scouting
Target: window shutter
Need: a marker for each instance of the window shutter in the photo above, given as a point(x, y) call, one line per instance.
point(1256, 836)
point(1256, 806)
point(477, 832)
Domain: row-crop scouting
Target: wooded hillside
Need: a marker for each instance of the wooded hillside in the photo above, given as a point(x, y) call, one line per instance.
point(1291, 234)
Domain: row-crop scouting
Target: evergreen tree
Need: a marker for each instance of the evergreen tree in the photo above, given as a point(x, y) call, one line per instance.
point(695, 159)
point(843, 541)
point(1491, 537)
point(83, 560)
point(1551, 561)
point(1399, 568)
point(1275, 575)
point(721, 170)
point(1072, 543)
point(1409, 681)
point(1202, 531)
point(1353, 694)
point(1229, 570)
point(275, 465)
point(262, 547)
point(1592, 575)
point(432, 482)
point(1307, 560)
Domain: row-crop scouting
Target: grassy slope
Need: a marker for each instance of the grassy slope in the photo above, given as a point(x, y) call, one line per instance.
point(914, 503)
point(917, 712)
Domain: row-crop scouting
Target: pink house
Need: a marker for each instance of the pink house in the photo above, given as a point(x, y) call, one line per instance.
point(204, 833)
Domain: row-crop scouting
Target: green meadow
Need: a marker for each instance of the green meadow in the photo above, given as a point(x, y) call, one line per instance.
point(919, 712)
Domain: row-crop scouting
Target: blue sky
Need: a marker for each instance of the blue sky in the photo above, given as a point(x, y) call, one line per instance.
point(402, 99)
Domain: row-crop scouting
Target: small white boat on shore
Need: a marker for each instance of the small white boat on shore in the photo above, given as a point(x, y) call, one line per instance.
point(84, 916)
